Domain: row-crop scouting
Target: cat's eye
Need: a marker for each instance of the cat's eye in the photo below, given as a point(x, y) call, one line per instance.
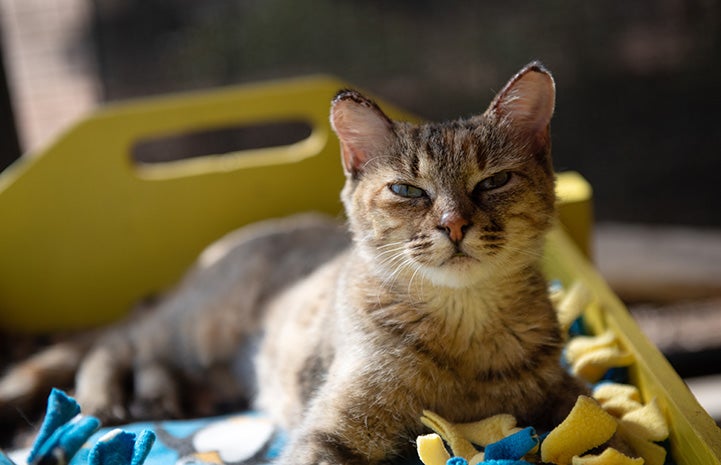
point(407, 191)
point(499, 179)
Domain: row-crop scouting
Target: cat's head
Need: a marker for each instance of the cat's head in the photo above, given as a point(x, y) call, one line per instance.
point(451, 203)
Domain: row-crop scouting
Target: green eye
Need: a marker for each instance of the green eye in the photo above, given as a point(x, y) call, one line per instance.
point(495, 181)
point(407, 191)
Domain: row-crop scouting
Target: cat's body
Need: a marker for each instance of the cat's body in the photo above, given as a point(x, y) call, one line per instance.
point(437, 304)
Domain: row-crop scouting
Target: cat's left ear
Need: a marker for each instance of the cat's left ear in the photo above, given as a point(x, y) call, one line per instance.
point(526, 103)
point(363, 129)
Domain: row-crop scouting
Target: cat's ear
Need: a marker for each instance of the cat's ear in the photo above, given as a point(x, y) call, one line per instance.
point(526, 103)
point(363, 129)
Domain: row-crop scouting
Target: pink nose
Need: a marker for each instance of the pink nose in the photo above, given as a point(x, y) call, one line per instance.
point(454, 225)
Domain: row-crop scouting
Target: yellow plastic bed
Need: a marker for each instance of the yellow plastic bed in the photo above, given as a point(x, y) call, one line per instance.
point(86, 232)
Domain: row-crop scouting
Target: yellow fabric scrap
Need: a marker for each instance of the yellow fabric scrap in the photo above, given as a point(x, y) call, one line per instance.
point(431, 450)
point(652, 453)
point(461, 437)
point(572, 304)
point(476, 459)
point(618, 399)
point(580, 345)
point(489, 430)
point(612, 391)
point(647, 422)
point(591, 356)
point(593, 365)
point(208, 457)
point(617, 408)
point(609, 456)
point(639, 425)
point(460, 446)
point(586, 426)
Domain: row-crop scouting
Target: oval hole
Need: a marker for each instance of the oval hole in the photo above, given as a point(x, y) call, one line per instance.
point(219, 141)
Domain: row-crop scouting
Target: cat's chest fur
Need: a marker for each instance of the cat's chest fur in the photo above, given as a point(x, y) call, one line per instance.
point(475, 352)
point(465, 353)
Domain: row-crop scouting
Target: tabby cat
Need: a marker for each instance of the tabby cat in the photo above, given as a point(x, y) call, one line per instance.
point(435, 299)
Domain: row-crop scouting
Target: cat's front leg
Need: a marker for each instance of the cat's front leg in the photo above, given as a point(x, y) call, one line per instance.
point(99, 382)
point(351, 426)
point(124, 377)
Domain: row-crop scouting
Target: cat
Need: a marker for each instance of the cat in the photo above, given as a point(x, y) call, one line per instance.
point(431, 298)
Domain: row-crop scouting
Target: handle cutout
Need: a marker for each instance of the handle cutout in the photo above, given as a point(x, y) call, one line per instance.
point(233, 139)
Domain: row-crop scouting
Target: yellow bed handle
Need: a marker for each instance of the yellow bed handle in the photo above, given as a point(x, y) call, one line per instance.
point(85, 232)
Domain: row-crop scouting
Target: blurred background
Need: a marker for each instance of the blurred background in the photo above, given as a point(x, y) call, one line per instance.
point(638, 110)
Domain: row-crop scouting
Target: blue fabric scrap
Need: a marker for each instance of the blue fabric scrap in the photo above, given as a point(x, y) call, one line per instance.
point(120, 447)
point(512, 447)
point(456, 461)
point(505, 462)
point(577, 328)
point(617, 375)
point(279, 441)
point(65, 441)
point(60, 410)
point(63, 432)
point(5, 460)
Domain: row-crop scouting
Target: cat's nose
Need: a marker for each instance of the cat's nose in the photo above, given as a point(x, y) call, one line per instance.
point(454, 225)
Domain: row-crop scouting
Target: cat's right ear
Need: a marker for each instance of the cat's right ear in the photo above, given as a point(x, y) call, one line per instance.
point(363, 129)
point(526, 103)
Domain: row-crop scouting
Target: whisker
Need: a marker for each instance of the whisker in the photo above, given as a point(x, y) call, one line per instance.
point(417, 268)
point(526, 252)
point(391, 244)
point(390, 257)
point(405, 263)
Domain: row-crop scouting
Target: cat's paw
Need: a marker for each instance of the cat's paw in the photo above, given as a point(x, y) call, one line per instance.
point(319, 448)
point(102, 390)
point(100, 386)
point(107, 406)
point(15, 385)
point(17, 394)
point(155, 393)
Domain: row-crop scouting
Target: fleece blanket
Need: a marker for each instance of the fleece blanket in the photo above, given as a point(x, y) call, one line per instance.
point(67, 437)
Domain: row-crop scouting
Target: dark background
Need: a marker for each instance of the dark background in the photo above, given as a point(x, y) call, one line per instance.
point(639, 82)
